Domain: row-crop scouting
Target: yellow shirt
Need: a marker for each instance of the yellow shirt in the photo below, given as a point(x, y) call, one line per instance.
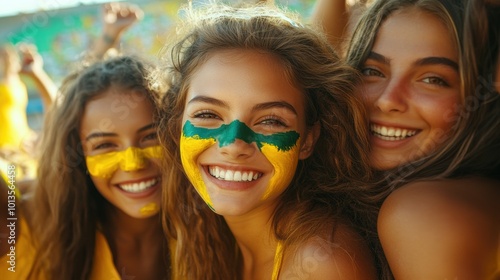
point(17, 264)
point(103, 266)
point(13, 121)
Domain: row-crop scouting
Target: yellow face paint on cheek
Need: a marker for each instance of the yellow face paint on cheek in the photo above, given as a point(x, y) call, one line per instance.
point(149, 209)
point(191, 148)
point(104, 165)
point(284, 163)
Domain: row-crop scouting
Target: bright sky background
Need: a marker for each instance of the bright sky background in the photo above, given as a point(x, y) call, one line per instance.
point(13, 7)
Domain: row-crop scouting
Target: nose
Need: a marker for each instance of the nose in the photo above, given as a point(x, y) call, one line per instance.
point(133, 160)
point(393, 98)
point(237, 140)
point(239, 149)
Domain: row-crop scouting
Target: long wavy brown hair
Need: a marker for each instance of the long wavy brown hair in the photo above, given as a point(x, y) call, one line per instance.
point(67, 207)
point(328, 188)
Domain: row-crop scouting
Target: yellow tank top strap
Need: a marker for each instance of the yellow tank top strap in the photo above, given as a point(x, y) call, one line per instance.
point(278, 259)
point(103, 266)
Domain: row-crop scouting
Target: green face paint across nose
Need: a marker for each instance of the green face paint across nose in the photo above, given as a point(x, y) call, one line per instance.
point(227, 134)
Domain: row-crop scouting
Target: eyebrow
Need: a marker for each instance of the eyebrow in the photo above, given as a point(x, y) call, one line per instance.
point(261, 106)
point(100, 134)
point(112, 134)
point(378, 57)
point(433, 60)
point(209, 100)
point(146, 127)
point(437, 60)
point(279, 104)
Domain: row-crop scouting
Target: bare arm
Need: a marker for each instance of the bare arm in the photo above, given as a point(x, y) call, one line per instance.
point(333, 17)
point(32, 66)
point(117, 17)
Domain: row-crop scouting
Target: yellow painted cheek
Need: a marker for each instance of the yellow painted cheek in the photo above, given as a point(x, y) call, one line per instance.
point(103, 166)
point(149, 209)
point(284, 163)
point(191, 148)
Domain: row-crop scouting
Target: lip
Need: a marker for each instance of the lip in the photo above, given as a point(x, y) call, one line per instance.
point(231, 185)
point(146, 193)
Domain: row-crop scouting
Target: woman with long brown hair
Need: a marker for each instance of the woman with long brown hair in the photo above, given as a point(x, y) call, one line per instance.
point(268, 146)
point(96, 205)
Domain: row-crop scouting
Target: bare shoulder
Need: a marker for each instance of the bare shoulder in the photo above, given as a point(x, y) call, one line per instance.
point(469, 198)
point(346, 257)
point(442, 229)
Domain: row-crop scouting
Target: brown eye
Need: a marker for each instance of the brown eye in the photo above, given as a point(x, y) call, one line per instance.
point(151, 136)
point(435, 81)
point(371, 72)
point(273, 122)
point(105, 145)
point(206, 115)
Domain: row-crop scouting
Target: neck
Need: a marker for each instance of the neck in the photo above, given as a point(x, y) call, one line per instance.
point(120, 226)
point(255, 238)
point(136, 243)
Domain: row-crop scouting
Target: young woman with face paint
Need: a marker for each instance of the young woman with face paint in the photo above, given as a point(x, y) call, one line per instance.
point(270, 149)
point(435, 139)
point(95, 210)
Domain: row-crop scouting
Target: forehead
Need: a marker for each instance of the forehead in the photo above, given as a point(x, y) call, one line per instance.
point(415, 32)
point(116, 108)
point(245, 60)
point(245, 74)
point(114, 97)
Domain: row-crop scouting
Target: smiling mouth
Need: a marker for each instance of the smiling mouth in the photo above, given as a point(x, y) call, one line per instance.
point(138, 187)
point(234, 175)
point(391, 133)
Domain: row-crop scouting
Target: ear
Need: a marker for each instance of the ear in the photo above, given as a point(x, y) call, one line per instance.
point(307, 146)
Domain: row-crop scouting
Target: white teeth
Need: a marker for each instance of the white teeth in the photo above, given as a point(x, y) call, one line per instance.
point(233, 175)
point(391, 133)
point(138, 187)
point(383, 131)
point(237, 176)
point(229, 175)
